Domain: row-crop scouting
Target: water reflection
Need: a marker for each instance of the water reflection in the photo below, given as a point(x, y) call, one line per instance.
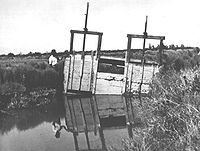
point(30, 118)
point(89, 123)
point(83, 116)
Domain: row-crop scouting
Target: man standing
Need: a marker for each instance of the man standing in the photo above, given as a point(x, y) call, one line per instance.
point(52, 59)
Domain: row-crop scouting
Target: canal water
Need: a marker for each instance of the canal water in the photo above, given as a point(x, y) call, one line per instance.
point(96, 123)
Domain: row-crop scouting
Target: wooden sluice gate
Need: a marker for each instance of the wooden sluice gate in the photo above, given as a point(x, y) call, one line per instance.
point(96, 81)
point(83, 73)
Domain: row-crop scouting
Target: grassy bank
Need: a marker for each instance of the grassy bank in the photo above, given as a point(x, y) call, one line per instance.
point(19, 78)
point(172, 113)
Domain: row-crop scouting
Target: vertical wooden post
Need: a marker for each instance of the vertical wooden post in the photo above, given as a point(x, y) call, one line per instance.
point(127, 60)
point(99, 46)
point(73, 62)
point(128, 48)
point(96, 62)
point(83, 50)
point(69, 67)
point(131, 76)
point(91, 72)
point(71, 42)
point(143, 59)
point(160, 52)
point(95, 77)
point(153, 66)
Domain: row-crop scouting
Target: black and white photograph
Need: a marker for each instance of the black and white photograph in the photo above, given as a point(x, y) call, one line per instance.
point(99, 75)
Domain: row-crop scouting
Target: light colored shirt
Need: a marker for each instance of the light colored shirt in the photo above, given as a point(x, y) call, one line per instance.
point(53, 60)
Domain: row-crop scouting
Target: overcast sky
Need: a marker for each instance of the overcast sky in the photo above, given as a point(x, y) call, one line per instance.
point(43, 25)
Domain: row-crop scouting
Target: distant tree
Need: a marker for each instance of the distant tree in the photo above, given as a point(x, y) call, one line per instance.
point(150, 47)
point(171, 46)
point(37, 54)
point(3, 55)
point(11, 55)
point(30, 54)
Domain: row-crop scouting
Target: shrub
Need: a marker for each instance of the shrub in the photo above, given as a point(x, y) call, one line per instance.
point(32, 75)
point(11, 88)
point(172, 115)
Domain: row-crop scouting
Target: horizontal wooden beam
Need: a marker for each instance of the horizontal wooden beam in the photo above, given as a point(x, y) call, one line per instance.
point(87, 32)
point(147, 37)
point(112, 61)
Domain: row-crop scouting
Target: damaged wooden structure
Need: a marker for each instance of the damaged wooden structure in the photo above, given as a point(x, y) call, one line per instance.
point(83, 73)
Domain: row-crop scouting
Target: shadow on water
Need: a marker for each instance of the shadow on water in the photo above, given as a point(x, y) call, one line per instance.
point(88, 118)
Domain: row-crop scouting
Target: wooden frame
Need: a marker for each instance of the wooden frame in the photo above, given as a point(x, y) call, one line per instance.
point(99, 34)
point(127, 55)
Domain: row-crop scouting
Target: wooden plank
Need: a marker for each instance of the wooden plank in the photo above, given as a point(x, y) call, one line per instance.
point(131, 76)
point(75, 80)
point(72, 71)
point(161, 52)
point(99, 46)
point(138, 62)
point(91, 71)
point(66, 73)
point(127, 59)
point(87, 32)
point(86, 74)
point(71, 43)
point(95, 76)
point(147, 37)
point(136, 77)
point(74, 76)
point(112, 61)
point(108, 83)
